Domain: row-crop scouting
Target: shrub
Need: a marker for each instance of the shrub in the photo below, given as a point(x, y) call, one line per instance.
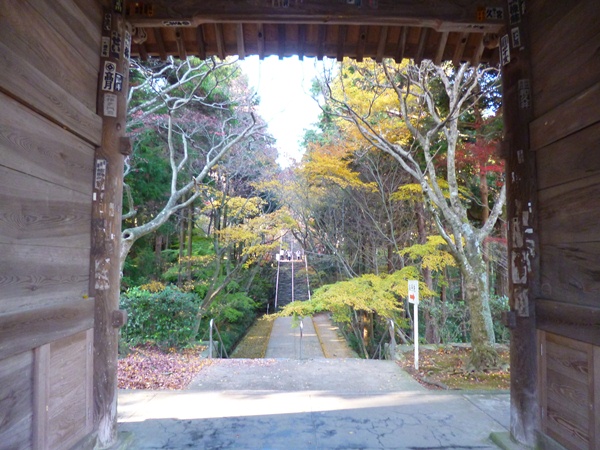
point(499, 304)
point(164, 318)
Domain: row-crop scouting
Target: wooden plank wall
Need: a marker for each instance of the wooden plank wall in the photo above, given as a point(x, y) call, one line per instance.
point(565, 134)
point(49, 53)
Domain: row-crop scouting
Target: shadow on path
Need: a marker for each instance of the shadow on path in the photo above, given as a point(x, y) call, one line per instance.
point(310, 404)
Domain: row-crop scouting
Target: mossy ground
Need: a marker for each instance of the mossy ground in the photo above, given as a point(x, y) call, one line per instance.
point(446, 368)
point(254, 343)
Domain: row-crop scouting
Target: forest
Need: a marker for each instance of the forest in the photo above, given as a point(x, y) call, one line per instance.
point(402, 178)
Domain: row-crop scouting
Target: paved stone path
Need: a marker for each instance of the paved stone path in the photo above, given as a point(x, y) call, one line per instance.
point(310, 403)
point(332, 342)
point(289, 340)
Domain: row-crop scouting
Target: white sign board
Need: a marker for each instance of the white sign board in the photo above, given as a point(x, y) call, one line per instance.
point(413, 297)
point(413, 291)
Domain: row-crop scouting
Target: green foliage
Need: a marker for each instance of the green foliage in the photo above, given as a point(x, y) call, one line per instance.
point(163, 318)
point(452, 319)
point(498, 305)
point(233, 312)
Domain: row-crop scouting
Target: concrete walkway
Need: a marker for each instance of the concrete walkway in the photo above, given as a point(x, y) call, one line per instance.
point(310, 404)
point(290, 403)
point(289, 340)
point(332, 342)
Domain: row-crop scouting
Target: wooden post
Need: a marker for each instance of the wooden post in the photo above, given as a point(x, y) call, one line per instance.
point(106, 219)
point(523, 242)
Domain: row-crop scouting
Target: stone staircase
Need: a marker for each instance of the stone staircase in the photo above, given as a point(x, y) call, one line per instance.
point(287, 290)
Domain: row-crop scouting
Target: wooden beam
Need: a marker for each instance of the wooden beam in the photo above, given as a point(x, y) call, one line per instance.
point(342, 33)
point(581, 323)
point(260, 40)
point(35, 89)
point(301, 41)
point(180, 44)
point(41, 391)
point(573, 115)
point(450, 15)
point(281, 40)
point(362, 43)
point(439, 54)
point(220, 40)
point(479, 47)
point(142, 52)
point(459, 50)
point(106, 237)
point(401, 45)
point(201, 44)
point(321, 41)
point(162, 52)
point(523, 243)
point(383, 34)
point(421, 47)
point(241, 46)
point(26, 330)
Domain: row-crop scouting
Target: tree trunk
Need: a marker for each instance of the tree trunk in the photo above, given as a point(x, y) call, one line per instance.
point(158, 245)
point(477, 298)
point(190, 229)
point(432, 335)
point(181, 241)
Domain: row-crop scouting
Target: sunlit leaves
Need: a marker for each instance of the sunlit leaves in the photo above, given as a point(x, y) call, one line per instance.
point(324, 166)
point(431, 254)
point(370, 293)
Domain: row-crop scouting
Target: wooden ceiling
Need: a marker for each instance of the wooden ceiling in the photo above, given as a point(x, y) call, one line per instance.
point(456, 30)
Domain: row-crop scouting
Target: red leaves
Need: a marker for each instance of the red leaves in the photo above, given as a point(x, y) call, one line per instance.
point(151, 368)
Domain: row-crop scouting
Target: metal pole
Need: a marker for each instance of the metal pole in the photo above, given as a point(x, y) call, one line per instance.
point(306, 268)
point(277, 285)
point(292, 261)
point(301, 328)
point(416, 334)
point(210, 339)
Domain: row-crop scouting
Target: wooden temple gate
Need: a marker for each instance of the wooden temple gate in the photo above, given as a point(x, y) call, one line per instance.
point(62, 122)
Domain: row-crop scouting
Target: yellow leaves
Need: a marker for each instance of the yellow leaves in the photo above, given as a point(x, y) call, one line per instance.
point(367, 293)
point(364, 88)
point(258, 234)
point(198, 260)
point(153, 286)
point(431, 254)
point(408, 192)
point(267, 186)
point(324, 168)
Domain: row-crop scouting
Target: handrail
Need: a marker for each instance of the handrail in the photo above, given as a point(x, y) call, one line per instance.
point(392, 345)
point(277, 285)
point(211, 343)
point(306, 270)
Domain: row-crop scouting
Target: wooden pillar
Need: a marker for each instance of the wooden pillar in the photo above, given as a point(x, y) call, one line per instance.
point(523, 241)
point(106, 219)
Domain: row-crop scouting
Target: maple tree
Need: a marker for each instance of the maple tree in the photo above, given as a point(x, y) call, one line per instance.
point(413, 113)
point(357, 300)
point(199, 112)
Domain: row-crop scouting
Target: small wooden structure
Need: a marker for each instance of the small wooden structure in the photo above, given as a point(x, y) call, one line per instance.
point(62, 122)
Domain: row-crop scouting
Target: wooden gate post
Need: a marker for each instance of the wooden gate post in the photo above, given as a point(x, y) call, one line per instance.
point(106, 219)
point(523, 239)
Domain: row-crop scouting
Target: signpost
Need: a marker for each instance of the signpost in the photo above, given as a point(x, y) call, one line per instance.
point(413, 297)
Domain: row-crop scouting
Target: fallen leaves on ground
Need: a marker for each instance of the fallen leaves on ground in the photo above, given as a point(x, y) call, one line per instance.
point(151, 368)
point(254, 343)
point(444, 368)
